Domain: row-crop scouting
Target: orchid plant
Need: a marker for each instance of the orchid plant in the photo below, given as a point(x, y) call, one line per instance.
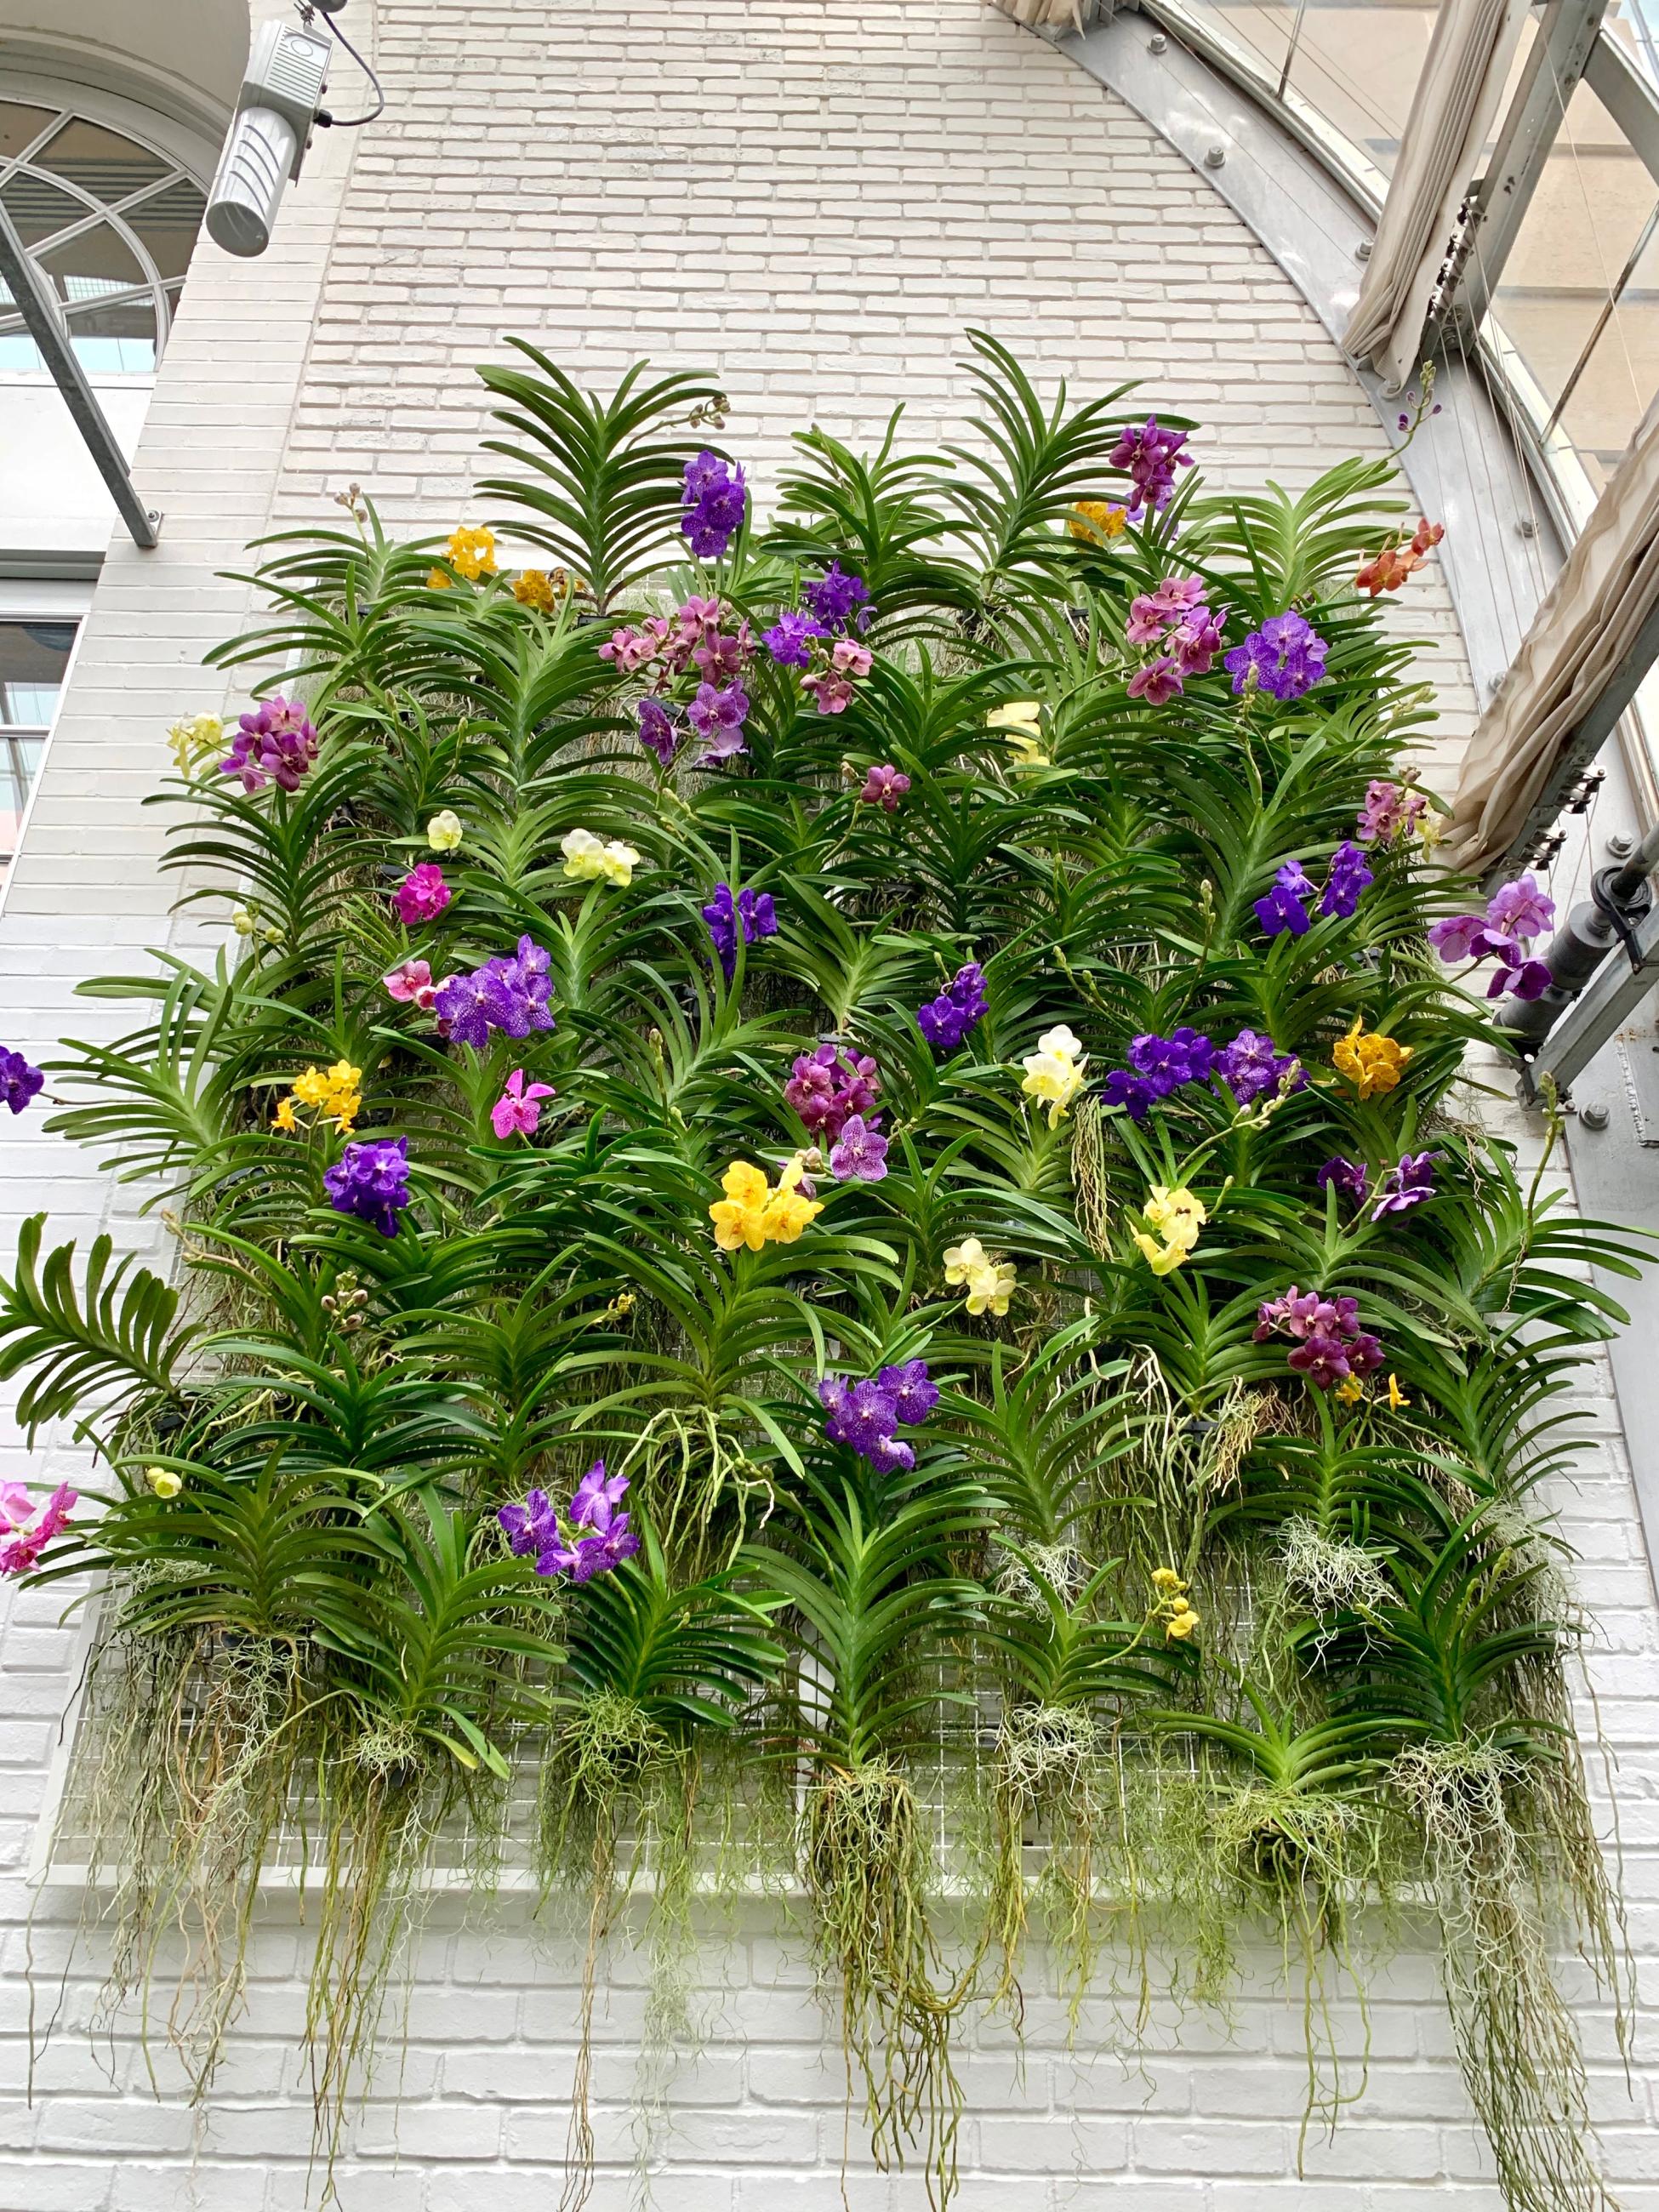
point(920, 1063)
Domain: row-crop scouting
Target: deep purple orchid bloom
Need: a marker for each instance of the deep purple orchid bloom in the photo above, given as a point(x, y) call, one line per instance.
point(718, 717)
point(946, 1021)
point(19, 1081)
point(838, 597)
point(1282, 909)
point(752, 911)
point(1406, 1184)
point(1347, 879)
point(1250, 1068)
point(1183, 1056)
point(371, 1181)
point(1286, 657)
point(1350, 1177)
point(789, 641)
point(914, 1392)
point(659, 732)
point(510, 995)
point(532, 1526)
point(715, 503)
point(1133, 1093)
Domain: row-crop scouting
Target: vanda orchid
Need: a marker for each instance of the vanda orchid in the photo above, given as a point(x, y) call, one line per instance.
point(901, 1034)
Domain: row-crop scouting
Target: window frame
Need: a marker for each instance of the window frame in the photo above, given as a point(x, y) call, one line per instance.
point(190, 155)
point(42, 598)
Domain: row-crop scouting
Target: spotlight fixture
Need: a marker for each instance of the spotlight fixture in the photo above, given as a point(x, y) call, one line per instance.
point(276, 114)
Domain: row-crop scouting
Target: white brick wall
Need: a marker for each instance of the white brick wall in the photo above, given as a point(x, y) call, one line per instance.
point(812, 200)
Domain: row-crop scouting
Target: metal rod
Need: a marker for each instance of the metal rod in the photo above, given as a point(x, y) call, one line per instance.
point(1290, 52)
point(35, 305)
point(1634, 873)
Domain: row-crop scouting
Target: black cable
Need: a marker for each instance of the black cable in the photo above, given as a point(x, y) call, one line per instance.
point(1612, 909)
point(345, 122)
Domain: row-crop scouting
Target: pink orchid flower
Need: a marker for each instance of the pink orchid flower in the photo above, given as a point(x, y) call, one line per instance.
point(412, 984)
point(517, 1112)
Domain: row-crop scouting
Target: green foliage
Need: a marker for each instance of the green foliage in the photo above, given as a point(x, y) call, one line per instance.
point(107, 1342)
point(1365, 1680)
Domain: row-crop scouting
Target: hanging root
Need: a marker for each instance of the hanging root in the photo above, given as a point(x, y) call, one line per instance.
point(195, 1749)
point(1187, 1459)
point(1309, 1857)
point(382, 1801)
point(609, 1759)
point(1515, 2037)
point(1326, 1574)
point(687, 1470)
point(1091, 1189)
point(1062, 1566)
point(865, 1865)
point(1045, 1769)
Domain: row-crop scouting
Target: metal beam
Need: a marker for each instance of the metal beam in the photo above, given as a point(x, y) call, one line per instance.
point(1560, 53)
point(1622, 88)
point(1584, 741)
point(1615, 991)
point(35, 304)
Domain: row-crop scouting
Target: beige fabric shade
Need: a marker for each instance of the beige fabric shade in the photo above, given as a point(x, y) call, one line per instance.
point(1585, 628)
point(1451, 113)
point(1042, 15)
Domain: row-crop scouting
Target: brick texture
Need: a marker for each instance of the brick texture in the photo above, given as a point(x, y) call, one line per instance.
point(812, 201)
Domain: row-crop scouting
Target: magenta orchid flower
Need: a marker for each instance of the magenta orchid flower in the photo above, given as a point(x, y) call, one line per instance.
point(517, 1112)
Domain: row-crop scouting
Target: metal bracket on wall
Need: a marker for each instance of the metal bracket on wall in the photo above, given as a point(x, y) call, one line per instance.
point(35, 305)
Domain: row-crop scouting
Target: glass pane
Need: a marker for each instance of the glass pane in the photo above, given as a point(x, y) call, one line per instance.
point(1357, 63)
point(20, 763)
point(111, 310)
point(92, 266)
point(39, 208)
point(34, 659)
point(20, 127)
point(167, 222)
point(100, 161)
point(1619, 378)
point(1586, 220)
point(1635, 25)
point(1259, 31)
point(20, 356)
point(118, 339)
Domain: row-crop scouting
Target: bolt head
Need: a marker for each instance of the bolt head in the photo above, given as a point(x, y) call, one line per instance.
point(1594, 1116)
point(1157, 44)
point(1216, 156)
point(1363, 250)
point(1620, 845)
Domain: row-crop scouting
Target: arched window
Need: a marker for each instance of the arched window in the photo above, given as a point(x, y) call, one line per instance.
point(107, 201)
